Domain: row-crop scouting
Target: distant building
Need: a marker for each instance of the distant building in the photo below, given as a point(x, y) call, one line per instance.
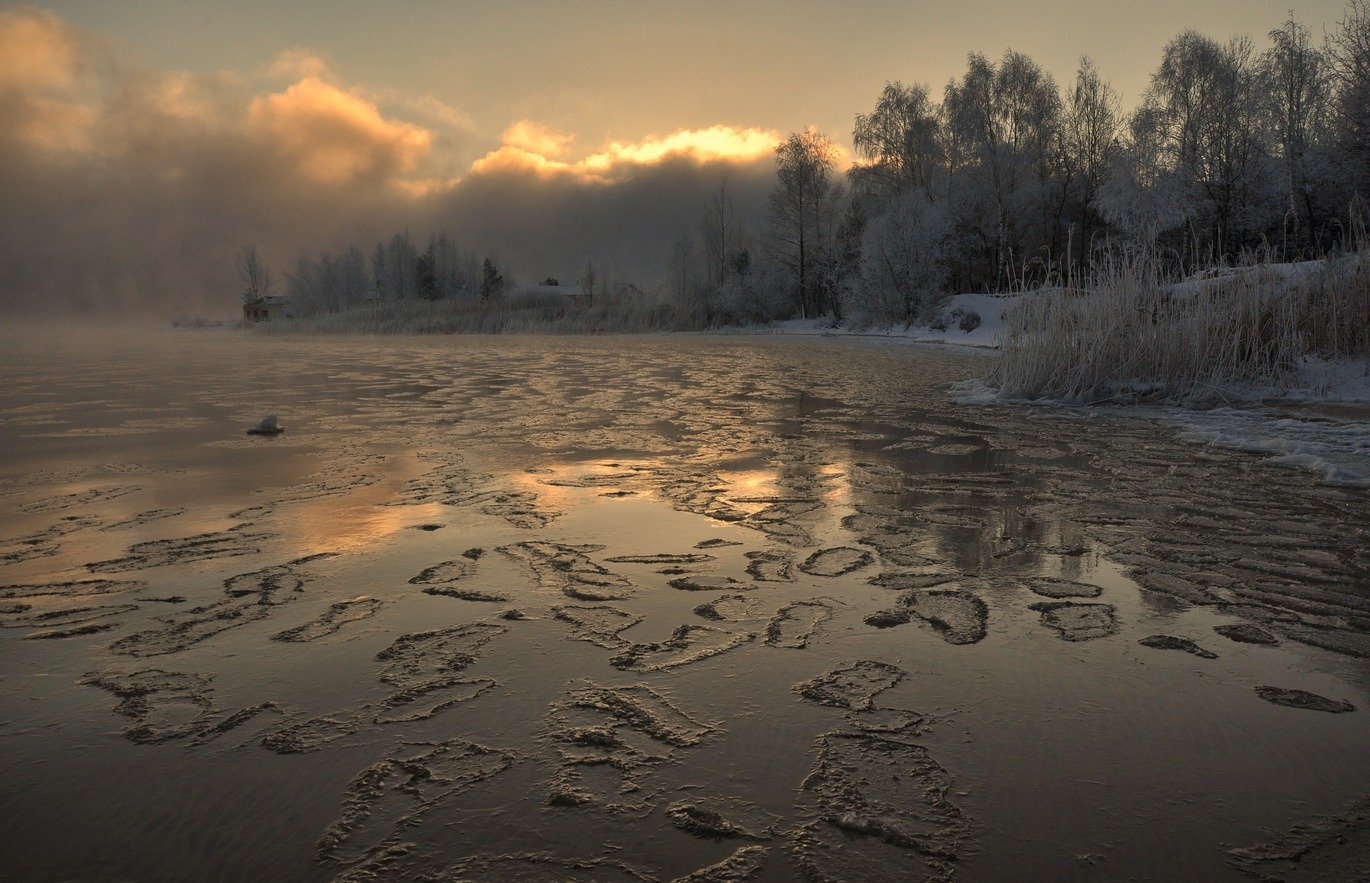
point(264, 309)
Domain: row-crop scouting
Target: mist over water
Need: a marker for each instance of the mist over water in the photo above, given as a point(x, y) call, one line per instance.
point(626, 608)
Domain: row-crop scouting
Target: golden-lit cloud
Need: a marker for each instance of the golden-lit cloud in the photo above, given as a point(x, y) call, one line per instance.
point(714, 144)
point(534, 149)
point(517, 160)
point(531, 137)
point(338, 137)
point(38, 51)
point(41, 66)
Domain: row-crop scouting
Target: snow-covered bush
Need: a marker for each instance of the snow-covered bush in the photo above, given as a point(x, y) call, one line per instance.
point(903, 261)
point(969, 322)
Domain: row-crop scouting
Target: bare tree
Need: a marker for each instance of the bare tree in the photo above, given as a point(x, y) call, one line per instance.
point(253, 276)
point(1296, 85)
point(803, 212)
point(720, 229)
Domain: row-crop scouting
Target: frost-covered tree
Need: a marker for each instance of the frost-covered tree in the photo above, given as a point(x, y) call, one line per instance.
point(1350, 55)
point(1092, 126)
point(425, 273)
point(587, 282)
point(1141, 195)
point(903, 259)
point(1296, 86)
point(401, 267)
point(352, 281)
point(452, 270)
point(309, 285)
point(253, 278)
point(803, 214)
point(899, 143)
point(380, 273)
point(1003, 124)
point(1205, 101)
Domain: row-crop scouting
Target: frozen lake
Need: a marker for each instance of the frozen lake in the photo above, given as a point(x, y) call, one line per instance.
point(627, 608)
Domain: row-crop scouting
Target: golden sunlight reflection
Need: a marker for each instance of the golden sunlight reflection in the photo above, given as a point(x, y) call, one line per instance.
point(557, 484)
point(838, 484)
point(351, 524)
point(750, 490)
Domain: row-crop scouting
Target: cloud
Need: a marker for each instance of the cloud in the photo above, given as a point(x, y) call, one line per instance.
point(38, 51)
point(128, 189)
point(540, 225)
point(535, 138)
point(337, 137)
point(534, 149)
point(298, 64)
point(431, 110)
point(42, 79)
point(714, 144)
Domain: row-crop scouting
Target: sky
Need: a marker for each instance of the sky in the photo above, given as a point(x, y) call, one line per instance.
point(143, 141)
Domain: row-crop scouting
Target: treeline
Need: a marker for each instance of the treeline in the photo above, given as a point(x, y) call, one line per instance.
point(398, 270)
point(1010, 181)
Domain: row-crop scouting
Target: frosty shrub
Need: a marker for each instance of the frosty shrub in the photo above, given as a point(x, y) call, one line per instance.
point(903, 265)
point(969, 322)
point(1128, 337)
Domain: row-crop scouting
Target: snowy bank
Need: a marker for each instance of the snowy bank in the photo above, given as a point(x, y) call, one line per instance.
point(1220, 337)
point(951, 325)
point(1272, 359)
point(1333, 447)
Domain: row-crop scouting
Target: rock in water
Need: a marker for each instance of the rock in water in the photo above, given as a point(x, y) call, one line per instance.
point(269, 426)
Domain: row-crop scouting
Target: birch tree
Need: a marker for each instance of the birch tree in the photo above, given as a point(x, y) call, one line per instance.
point(803, 213)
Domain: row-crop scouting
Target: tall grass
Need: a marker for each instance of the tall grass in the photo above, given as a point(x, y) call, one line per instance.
point(1127, 336)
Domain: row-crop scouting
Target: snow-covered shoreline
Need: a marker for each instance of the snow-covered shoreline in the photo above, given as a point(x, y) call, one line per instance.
point(1324, 430)
point(990, 308)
